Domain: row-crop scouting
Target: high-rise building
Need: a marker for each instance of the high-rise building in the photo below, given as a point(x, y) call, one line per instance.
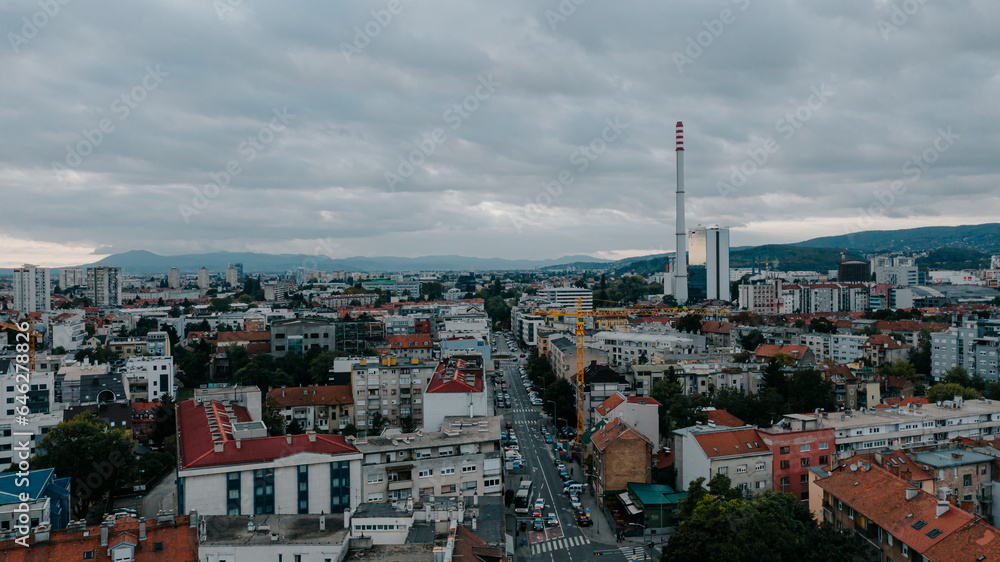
point(854, 272)
point(32, 289)
point(709, 247)
point(234, 273)
point(104, 285)
point(173, 278)
point(203, 278)
point(566, 297)
point(72, 277)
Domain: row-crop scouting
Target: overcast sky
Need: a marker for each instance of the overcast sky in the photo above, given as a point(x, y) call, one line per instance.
point(313, 107)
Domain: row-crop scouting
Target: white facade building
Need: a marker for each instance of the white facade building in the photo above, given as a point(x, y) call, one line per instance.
point(625, 347)
point(203, 278)
point(566, 297)
point(72, 277)
point(709, 247)
point(150, 378)
point(104, 285)
point(32, 289)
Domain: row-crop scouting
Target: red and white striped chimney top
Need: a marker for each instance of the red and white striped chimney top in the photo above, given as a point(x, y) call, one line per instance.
point(680, 135)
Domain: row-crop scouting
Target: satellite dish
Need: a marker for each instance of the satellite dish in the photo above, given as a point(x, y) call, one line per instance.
point(854, 467)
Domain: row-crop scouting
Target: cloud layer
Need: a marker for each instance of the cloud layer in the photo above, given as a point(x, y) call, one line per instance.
point(518, 129)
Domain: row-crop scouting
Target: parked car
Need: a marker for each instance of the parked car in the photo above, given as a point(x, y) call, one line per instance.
point(582, 519)
point(548, 438)
point(574, 500)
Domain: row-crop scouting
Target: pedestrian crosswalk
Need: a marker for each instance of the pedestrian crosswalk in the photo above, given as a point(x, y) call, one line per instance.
point(558, 544)
point(634, 553)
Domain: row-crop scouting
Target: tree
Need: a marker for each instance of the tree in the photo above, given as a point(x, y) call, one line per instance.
point(752, 340)
point(822, 326)
point(906, 370)
point(690, 323)
point(562, 392)
point(98, 459)
point(676, 408)
point(378, 424)
point(670, 301)
point(809, 390)
point(957, 375)
point(949, 390)
point(164, 421)
point(772, 527)
point(349, 429)
point(294, 428)
point(273, 418)
point(407, 424)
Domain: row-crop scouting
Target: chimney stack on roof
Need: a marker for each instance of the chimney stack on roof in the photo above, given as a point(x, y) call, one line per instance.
point(942, 508)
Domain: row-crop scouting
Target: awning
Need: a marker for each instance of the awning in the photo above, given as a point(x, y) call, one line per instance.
point(633, 509)
point(624, 498)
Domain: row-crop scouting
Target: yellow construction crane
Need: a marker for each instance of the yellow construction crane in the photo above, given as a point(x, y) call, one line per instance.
point(580, 314)
point(31, 336)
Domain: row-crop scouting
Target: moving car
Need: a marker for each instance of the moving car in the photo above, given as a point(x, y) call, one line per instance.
point(537, 524)
point(552, 520)
point(537, 512)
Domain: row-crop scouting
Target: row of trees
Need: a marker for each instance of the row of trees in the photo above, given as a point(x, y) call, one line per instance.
point(720, 523)
point(553, 389)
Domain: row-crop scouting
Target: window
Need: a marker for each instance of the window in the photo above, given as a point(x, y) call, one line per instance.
point(785, 481)
point(804, 496)
point(761, 484)
point(303, 481)
point(158, 546)
point(783, 450)
point(427, 491)
point(340, 486)
point(263, 491)
point(88, 555)
point(233, 493)
point(761, 466)
point(906, 549)
point(824, 460)
point(448, 471)
point(468, 468)
point(375, 477)
point(425, 473)
point(467, 486)
point(967, 480)
point(784, 464)
point(804, 461)
point(850, 512)
point(804, 448)
point(741, 469)
point(375, 497)
point(448, 489)
point(423, 453)
point(723, 470)
point(824, 446)
point(804, 479)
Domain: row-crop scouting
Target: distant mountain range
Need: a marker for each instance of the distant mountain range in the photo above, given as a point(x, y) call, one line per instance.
point(140, 261)
point(953, 246)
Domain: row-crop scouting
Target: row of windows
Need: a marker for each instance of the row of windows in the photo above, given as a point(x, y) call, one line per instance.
point(804, 448)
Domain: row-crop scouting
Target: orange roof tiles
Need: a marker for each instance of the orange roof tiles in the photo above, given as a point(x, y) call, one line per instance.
point(881, 497)
point(610, 403)
point(410, 341)
point(717, 444)
point(722, 417)
point(179, 543)
point(312, 395)
point(614, 430)
point(885, 342)
point(975, 543)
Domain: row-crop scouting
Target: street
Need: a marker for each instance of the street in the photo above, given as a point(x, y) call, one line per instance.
point(567, 541)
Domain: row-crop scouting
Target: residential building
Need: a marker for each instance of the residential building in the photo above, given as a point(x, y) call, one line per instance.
point(895, 521)
point(393, 287)
point(118, 540)
point(740, 453)
point(600, 382)
point(234, 274)
point(621, 455)
point(962, 476)
point(149, 377)
point(824, 297)
point(40, 396)
point(915, 425)
point(265, 538)
point(456, 388)
point(38, 425)
point(173, 278)
point(709, 247)
point(414, 346)
point(567, 297)
point(322, 408)
point(300, 334)
point(762, 298)
point(624, 348)
point(561, 353)
point(879, 349)
point(798, 442)
point(104, 285)
point(965, 346)
point(68, 332)
point(642, 413)
point(48, 499)
point(841, 348)
point(464, 458)
point(32, 289)
point(467, 345)
point(227, 465)
point(70, 277)
point(204, 278)
point(389, 386)
point(803, 356)
point(158, 344)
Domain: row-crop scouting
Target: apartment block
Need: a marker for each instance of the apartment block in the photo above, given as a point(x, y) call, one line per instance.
point(70, 277)
point(762, 298)
point(798, 442)
point(456, 388)
point(567, 297)
point(624, 348)
point(965, 346)
point(150, 378)
point(32, 289)
point(327, 408)
point(839, 347)
point(464, 458)
point(104, 285)
point(393, 387)
point(301, 334)
point(740, 453)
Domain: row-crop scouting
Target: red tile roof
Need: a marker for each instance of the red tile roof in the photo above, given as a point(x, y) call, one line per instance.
point(312, 395)
point(885, 342)
point(258, 347)
point(452, 376)
point(722, 417)
point(975, 543)
point(909, 326)
point(614, 430)
point(839, 370)
point(259, 336)
point(642, 400)
point(730, 443)
point(610, 403)
point(716, 327)
point(894, 461)
point(881, 497)
point(767, 350)
point(663, 459)
point(197, 448)
point(410, 341)
point(180, 543)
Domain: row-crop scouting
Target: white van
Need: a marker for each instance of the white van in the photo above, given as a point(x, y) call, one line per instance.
point(573, 489)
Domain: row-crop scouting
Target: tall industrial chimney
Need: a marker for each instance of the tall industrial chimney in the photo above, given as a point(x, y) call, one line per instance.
point(681, 271)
